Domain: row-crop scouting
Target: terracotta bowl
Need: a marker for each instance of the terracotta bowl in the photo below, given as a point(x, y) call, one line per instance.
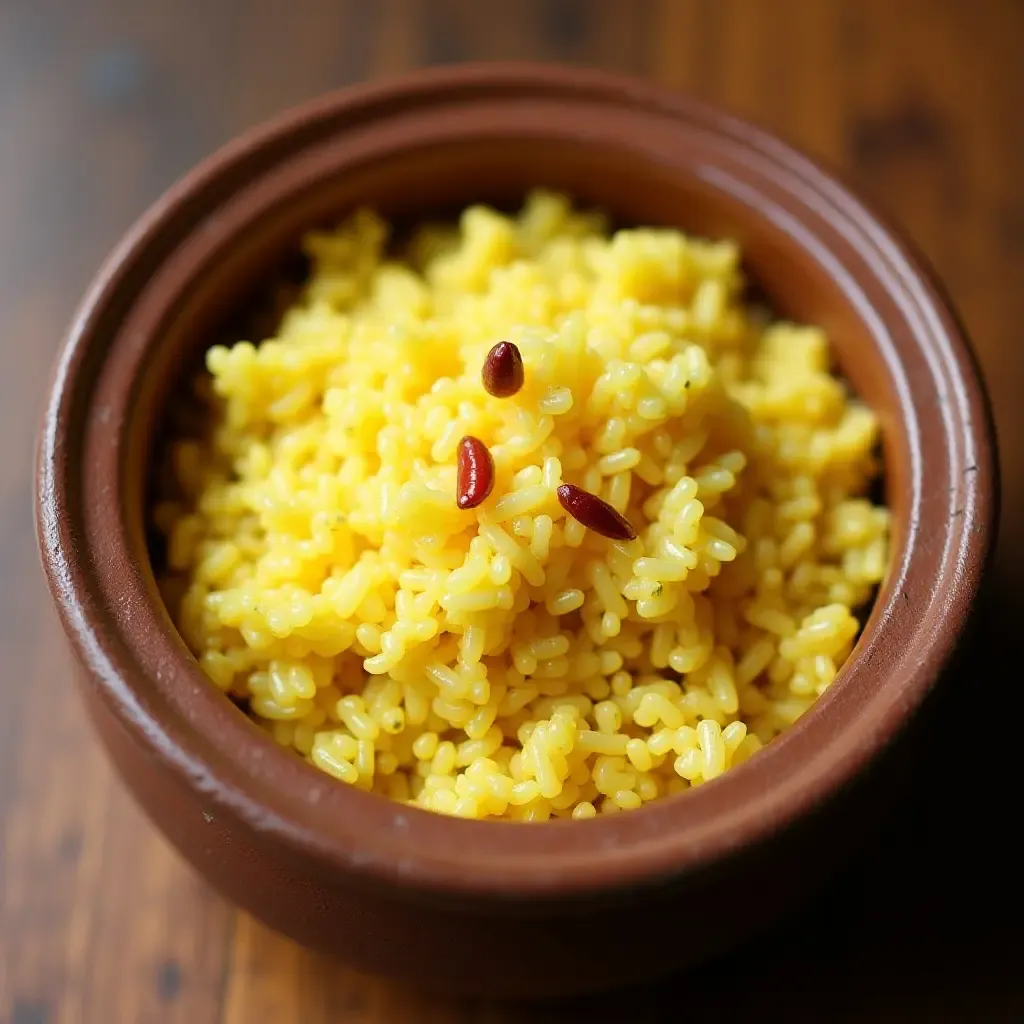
point(494, 907)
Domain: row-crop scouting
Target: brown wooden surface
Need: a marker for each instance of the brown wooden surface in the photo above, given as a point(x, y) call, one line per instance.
point(103, 104)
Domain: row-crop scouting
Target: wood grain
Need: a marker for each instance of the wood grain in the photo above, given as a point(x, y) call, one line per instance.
point(104, 103)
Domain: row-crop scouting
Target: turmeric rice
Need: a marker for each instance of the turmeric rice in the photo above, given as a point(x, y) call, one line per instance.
point(504, 661)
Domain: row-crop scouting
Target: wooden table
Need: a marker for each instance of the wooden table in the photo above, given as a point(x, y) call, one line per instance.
point(103, 104)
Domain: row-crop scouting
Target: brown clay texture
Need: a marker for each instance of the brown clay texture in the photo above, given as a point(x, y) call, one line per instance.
point(490, 906)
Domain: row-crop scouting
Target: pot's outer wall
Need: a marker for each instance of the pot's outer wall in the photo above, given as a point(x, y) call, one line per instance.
point(504, 949)
point(493, 907)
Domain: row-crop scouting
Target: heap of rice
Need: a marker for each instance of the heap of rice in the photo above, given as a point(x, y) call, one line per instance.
point(504, 661)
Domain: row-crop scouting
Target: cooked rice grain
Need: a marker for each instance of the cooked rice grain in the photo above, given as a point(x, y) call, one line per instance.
point(504, 661)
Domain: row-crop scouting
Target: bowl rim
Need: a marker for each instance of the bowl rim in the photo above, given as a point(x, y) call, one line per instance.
point(394, 844)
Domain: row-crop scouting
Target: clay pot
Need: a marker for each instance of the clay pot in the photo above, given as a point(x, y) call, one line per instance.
point(498, 907)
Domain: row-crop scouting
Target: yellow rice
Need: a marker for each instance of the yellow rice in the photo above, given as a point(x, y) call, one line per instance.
point(504, 661)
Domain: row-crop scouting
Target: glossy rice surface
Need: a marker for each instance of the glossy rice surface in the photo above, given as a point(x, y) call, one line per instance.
point(504, 661)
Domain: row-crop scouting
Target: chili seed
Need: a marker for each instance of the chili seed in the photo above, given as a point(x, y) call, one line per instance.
point(502, 374)
point(475, 472)
point(594, 513)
